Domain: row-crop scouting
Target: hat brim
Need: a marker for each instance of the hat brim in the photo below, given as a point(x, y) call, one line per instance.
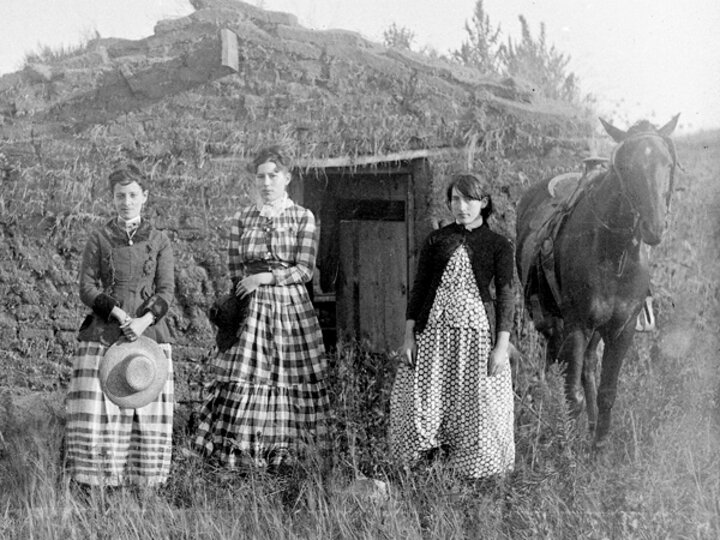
point(112, 368)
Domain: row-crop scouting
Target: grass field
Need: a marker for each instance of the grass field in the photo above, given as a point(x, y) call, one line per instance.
point(658, 478)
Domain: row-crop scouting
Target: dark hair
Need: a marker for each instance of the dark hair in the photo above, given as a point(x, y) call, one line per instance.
point(270, 154)
point(471, 186)
point(127, 174)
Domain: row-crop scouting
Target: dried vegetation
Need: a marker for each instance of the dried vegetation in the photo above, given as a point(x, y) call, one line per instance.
point(660, 477)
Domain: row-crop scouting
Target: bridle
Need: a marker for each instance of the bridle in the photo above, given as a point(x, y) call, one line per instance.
point(614, 170)
point(669, 144)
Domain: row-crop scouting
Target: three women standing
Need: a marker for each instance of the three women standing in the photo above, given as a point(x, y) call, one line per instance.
point(127, 279)
point(268, 403)
point(453, 392)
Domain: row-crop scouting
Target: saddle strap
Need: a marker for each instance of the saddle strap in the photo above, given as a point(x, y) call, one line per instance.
point(547, 263)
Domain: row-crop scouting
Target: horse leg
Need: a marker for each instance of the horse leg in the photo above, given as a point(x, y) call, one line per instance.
point(572, 354)
point(588, 379)
point(552, 332)
point(615, 350)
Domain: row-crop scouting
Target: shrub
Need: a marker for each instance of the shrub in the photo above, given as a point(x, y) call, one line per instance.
point(398, 37)
point(533, 60)
point(530, 59)
point(482, 48)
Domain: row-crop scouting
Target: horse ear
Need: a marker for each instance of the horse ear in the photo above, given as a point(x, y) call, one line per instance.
point(668, 128)
point(618, 135)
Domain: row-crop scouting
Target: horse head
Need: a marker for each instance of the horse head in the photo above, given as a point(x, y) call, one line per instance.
point(644, 162)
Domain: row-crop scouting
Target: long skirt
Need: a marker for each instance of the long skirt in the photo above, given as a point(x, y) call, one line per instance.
point(447, 400)
point(112, 446)
point(268, 402)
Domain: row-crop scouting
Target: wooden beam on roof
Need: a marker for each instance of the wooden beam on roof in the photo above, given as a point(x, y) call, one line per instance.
point(361, 161)
point(352, 161)
point(230, 57)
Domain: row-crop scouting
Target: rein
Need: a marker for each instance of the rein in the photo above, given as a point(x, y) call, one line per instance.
point(613, 229)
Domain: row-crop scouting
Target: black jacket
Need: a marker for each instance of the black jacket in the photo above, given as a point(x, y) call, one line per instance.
point(491, 257)
point(136, 274)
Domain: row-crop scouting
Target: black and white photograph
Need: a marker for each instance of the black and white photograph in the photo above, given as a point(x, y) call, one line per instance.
point(334, 269)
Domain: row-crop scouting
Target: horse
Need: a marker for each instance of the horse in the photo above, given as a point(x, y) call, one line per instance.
point(586, 278)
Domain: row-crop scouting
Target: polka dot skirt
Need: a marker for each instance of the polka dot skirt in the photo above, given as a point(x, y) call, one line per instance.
point(447, 400)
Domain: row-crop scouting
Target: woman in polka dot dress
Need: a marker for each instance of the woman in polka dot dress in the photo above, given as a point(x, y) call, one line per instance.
point(453, 391)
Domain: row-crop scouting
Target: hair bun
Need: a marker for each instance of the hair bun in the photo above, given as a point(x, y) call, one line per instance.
point(127, 173)
point(275, 154)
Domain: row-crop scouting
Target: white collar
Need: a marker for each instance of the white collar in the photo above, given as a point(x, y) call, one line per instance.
point(276, 207)
point(129, 224)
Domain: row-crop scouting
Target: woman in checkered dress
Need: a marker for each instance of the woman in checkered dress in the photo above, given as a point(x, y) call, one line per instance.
point(453, 392)
point(127, 279)
point(268, 402)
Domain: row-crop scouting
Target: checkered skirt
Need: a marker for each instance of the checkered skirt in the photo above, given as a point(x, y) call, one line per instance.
point(447, 400)
point(268, 403)
point(108, 445)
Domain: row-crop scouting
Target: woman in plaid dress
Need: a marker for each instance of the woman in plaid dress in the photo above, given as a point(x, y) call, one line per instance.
point(453, 393)
point(127, 279)
point(268, 402)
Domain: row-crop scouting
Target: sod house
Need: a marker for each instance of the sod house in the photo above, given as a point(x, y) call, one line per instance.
point(374, 133)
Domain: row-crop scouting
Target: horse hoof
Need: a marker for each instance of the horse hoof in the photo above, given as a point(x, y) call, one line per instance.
point(602, 435)
point(577, 405)
point(601, 444)
point(602, 429)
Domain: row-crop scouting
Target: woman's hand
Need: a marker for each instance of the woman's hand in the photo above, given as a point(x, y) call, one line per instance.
point(408, 350)
point(499, 360)
point(119, 314)
point(133, 328)
point(249, 284)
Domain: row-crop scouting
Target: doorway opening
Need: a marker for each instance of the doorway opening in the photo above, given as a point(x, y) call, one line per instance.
point(365, 218)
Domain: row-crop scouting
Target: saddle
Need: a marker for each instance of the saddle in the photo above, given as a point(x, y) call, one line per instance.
point(538, 253)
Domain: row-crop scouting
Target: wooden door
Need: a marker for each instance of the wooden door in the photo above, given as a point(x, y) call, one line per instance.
point(373, 289)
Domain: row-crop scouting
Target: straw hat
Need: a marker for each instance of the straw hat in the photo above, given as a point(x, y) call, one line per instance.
point(132, 373)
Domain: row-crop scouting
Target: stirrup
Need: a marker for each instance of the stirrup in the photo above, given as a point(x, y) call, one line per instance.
point(536, 311)
point(646, 318)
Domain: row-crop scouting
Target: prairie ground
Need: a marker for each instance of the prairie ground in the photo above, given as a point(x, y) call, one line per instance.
point(658, 478)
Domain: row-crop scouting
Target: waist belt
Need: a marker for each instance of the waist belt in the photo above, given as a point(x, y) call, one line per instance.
point(257, 266)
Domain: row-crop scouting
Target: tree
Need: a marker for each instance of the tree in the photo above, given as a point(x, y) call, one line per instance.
point(529, 59)
point(398, 37)
point(532, 60)
point(481, 49)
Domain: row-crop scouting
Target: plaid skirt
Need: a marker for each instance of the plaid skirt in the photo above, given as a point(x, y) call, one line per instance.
point(108, 445)
point(268, 401)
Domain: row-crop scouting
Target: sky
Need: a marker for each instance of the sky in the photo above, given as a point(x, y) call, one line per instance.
point(637, 58)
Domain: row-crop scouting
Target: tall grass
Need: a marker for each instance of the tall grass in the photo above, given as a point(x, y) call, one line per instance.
point(650, 484)
point(51, 54)
point(658, 478)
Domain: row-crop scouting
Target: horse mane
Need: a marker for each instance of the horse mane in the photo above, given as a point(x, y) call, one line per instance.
point(642, 126)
